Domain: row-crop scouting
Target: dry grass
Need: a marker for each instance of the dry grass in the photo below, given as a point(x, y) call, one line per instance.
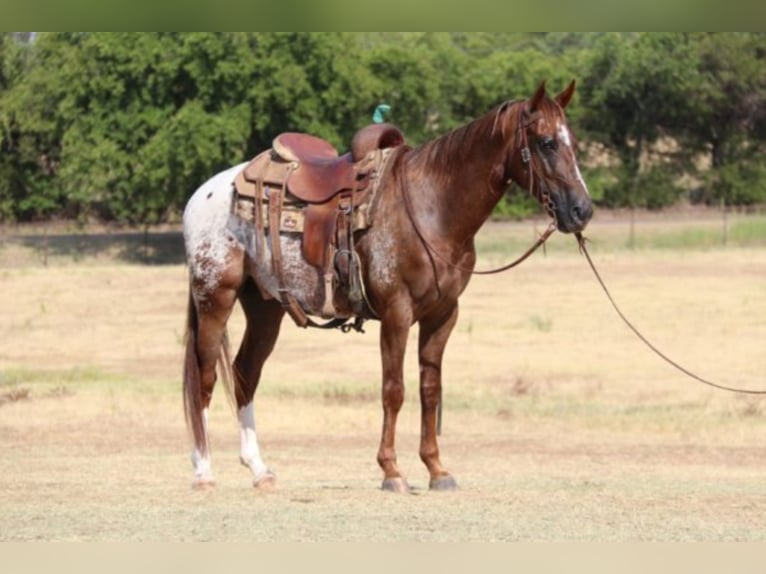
point(558, 424)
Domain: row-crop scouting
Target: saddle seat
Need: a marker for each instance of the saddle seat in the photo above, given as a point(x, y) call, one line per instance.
point(320, 173)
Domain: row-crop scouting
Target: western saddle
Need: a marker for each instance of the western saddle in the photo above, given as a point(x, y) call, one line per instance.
point(302, 185)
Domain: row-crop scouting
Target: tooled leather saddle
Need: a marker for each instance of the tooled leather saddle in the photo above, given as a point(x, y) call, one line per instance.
point(302, 185)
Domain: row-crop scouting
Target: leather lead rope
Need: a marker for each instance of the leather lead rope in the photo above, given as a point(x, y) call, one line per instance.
point(581, 241)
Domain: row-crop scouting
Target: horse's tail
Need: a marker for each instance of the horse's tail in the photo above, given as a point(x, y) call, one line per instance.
point(192, 383)
point(192, 378)
point(230, 382)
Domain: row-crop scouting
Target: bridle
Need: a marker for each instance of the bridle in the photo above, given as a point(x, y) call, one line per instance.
point(522, 144)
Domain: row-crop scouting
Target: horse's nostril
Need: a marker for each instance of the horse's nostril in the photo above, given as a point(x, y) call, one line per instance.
point(581, 213)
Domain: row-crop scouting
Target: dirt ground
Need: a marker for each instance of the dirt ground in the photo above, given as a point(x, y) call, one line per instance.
point(558, 424)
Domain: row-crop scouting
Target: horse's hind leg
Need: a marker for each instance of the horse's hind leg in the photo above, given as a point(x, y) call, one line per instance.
point(209, 310)
point(263, 322)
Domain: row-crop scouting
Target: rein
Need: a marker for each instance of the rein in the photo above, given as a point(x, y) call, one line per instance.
point(540, 241)
point(581, 241)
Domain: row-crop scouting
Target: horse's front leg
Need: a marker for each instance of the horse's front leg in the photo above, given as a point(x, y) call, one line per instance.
point(433, 338)
point(393, 342)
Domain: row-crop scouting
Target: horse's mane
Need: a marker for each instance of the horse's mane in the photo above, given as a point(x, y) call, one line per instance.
point(444, 152)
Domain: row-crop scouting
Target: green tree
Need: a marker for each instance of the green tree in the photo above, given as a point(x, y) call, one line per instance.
point(31, 129)
point(407, 80)
point(729, 115)
point(6, 163)
point(124, 126)
point(312, 82)
point(635, 92)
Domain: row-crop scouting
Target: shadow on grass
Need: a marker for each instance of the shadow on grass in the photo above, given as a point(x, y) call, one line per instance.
point(148, 248)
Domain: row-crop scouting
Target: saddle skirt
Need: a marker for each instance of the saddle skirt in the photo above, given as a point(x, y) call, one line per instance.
point(303, 186)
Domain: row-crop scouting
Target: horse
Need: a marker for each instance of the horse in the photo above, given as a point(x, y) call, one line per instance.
point(416, 259)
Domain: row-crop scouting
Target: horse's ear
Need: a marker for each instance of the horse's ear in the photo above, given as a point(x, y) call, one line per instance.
point(535, 100)
point(563, 98)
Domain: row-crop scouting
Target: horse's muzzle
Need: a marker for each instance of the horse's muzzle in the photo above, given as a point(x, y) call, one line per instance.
point(573, 215)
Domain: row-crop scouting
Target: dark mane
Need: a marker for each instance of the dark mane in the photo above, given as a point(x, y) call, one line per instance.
point(445, 152)
point(442, 153)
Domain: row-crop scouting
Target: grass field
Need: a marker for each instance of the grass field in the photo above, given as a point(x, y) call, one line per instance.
point(558, 424)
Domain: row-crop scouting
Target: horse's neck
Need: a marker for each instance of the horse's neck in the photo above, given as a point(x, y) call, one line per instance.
point(463, 177)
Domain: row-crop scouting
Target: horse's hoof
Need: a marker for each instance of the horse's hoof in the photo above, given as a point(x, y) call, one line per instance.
point(445, 482)
point(268, 481)
point(203, 483)
point(398, 484)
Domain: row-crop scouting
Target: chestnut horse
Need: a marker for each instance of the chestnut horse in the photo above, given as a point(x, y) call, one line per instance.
point(416, 258)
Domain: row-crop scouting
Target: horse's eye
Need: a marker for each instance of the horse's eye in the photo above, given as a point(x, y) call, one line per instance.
point(548, 144)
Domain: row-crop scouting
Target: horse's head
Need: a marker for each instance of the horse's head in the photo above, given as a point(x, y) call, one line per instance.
point(543, 159)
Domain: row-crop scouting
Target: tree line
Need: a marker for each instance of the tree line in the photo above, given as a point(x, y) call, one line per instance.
point(124, 126)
